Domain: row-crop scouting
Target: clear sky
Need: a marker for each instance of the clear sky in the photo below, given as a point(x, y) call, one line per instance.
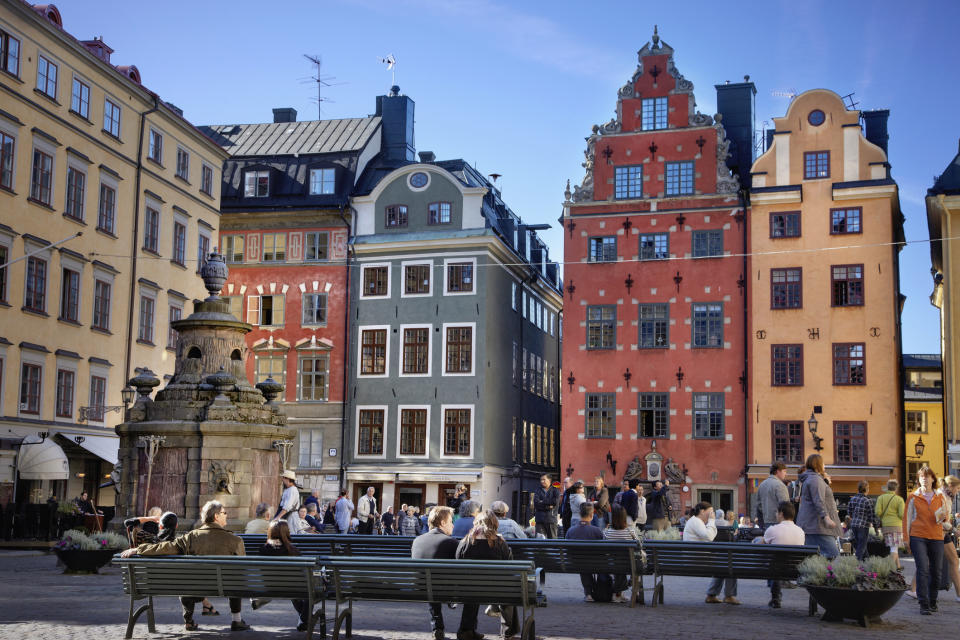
point(514, 87)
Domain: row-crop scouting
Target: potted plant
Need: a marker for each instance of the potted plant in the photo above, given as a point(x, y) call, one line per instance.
point(670, 533)
point(82, 553)
point(849, 589)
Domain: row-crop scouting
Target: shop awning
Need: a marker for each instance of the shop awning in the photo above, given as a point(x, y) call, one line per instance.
point(43, 461)
point(106, 447)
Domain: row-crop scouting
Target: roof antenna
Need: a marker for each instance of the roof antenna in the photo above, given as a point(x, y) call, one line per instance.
point(322, 82)
point(850, 104)
point(391, 61)
point(495, 177)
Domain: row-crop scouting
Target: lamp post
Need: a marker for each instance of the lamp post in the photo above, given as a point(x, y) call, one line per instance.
point(817, 440)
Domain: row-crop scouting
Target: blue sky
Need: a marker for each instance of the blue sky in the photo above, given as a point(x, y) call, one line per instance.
point(514, 87)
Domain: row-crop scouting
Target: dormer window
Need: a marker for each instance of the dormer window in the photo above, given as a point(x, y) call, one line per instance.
point(438, 213)
point(816, 164)
point(396, 216)
point(322, 181)
point(256, 184)
point(653, 114)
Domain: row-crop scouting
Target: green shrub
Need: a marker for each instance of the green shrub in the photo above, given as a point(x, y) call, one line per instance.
point(845, 570)
point(813, 571)
point(883, 567)
point(670, 533)
point(77, 540)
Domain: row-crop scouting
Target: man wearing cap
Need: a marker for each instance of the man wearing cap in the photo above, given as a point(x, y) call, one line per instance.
point(289, 501)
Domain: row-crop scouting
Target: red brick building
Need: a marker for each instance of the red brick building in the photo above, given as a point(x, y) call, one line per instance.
point(654, 348)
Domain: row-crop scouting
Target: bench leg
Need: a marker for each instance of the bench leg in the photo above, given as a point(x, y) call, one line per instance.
point(151, 622)
point(345, 615)
point(135, 613)
point(543, 577)
point(812, 607)
point(636, 584)
point(529, 631)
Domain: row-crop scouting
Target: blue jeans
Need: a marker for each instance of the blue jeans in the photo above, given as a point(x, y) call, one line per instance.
point(928, 555)
point(860, 536)
point(826, 544)
point(729, 587)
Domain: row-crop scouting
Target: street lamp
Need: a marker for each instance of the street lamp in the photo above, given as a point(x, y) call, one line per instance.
point(97, 412)
point(127, 394)
point(918, 449)
point(817, 440)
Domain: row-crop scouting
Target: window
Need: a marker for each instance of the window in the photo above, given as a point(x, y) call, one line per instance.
point(151, 230)
point(602, 327)
point(460, 277)
point(786, 365)
point(850, 440)
point(271, 366)
point(179, 243)
point(654, 246)
point(35, 293)
point(80, 98)
point(106, 214)
point(438, 213)
point(6, 161)
point(413, 432)
point(9, 53)
point(416, 350)
point(206, 179)
point(653, 114)
point(314, 377)
point(70, 296)
point(708, 415)
point(274, 247)
point(654, 326)
point(203, 249)
point(913, 469)
point(236, 305)
point(708, 324)
point(845, 220)
point(628, 182)
point(816, 164)
point(4, 257)
point(708, 244)
point(30, 377)
point(459, 346)
point(111, 118)
point(98, 398)
point(847, 285)
point(311, 448)
point(786, 288)
point(603, 249)
point(147, 305)
point(65, 385)
point(788, 442)
point(416, 279)
point(47, 77)
point(456, 432)
point(256, 184)
point(679, 178)
point(395, 216)
point(232, 248)
point(183, 163)
point(75, 189)
point(849, 363)
point(314, 308)
point(785, 225)
point(373, 352)
point(317, 246)
point(266, 311)
point(175, 314)
point(370, 432)
point(41, 180)
point(101, 305)
point(155, 149)
point(601, 415)
point(375, 281)
point(916, 421)
point(654, 415)
point(322, 181)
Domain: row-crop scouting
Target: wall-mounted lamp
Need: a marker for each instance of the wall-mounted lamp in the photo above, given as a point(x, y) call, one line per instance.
point(817, 440)
point(918, 449)
point(571, 380)
point(81, 475)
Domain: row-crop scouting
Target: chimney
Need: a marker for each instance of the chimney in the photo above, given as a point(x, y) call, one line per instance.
point(177, 110)
point(284, 114)
point(98, 48)
point(875, 125)
point(427, 156)
point(396, 112)
point(736, 104)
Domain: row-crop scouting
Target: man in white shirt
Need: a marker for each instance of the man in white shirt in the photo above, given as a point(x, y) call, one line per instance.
point(702, 527)
point(289, 501)
point(784, 532)
point(367, 511)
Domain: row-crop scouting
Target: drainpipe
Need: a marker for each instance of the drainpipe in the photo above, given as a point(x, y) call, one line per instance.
point(744, 203)
point(346, 347)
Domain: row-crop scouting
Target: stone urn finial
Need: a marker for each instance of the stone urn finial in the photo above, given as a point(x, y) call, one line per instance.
point(221, 381)
point(214, 274)
point(270, 389)
point(144, 383)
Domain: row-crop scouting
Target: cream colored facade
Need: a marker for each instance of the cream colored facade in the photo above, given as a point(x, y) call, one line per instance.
point(64, 345)
point(807, 220)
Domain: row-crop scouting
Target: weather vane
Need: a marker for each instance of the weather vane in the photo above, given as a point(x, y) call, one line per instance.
point(391, 61)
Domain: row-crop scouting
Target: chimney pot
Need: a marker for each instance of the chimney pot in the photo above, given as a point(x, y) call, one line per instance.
point(427, 156)
point(284, 114)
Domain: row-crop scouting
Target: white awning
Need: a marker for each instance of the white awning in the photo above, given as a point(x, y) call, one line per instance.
point(106, 447)
point(43, 461)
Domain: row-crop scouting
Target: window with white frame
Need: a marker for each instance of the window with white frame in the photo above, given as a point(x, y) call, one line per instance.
point(271, 365)
point(323, 181)
point(176, 312)
point(373, 352)
point(232, 247)
point(415, 351)
point(41, 178)
point(183, 163)
point(314, 308)
point(375, 281)
point(66, 384)
point(413, 431)
point(179, 242)
point(148, 306)
point(311, 448)
point(317, 245)
point(460, 277)
point(314, 377)
point(265, 311)
point(256, 184)
point(370, 432)
point(438, 213)
point(206, 179)
point(457, 423)
point(80, 98)
point(47, 77)
point(416, 279)
point(151, 229)
point(155, 149)
point(458, 349)
point(7, 147)
point(31, 378)
point(111, 117)
point(9, 54)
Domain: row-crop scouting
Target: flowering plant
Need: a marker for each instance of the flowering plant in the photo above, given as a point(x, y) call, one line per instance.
point(74, 540)
point(846, 572)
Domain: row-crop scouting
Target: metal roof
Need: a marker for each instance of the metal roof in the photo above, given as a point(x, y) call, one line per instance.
point(288, 138)
point(921, 361)
point(921, 394)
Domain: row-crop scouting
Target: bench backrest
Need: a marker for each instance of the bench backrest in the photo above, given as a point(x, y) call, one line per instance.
point(337, 544)
point(726, 559)
point(229, 576)
point(579, 556)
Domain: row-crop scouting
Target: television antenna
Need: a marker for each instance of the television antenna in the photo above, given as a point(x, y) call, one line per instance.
point(849, 102)
point(322, 81)
point(391, 61)
point(784, 93)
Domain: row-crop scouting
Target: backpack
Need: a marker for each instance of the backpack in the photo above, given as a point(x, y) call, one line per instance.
point(602, 588)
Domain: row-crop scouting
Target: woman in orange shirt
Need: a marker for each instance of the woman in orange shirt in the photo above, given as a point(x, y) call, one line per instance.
point(923, 536)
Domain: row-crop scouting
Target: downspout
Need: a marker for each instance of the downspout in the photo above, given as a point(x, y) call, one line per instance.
point(136, 234)
point(346, 347)
point(898, 310)
point(744, 203)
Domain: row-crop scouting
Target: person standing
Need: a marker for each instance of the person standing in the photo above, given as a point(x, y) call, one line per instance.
point(702, 527)
point(624, 487)
point(889, 509)
point(576, 497)
point(464, 524)
point(600, 497)
point(386, 521)
point(583, 530)
point(367, 511)
point(411, 524)
point(314, 497)
point(343, 511)
point(565, 514)
point(657, 510)
point(770, 494)
point(630, 500)
point(784, 532)
point(818, 515)
point(860, 510)
point(923, 519)
point(289, 501)
point(436, 544)
point(459, 495)
point(545, 502)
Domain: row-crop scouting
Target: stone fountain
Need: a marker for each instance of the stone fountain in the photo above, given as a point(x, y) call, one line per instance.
point(209, 434)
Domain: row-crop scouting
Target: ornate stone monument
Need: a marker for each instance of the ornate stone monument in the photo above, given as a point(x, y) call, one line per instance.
point(208, 434)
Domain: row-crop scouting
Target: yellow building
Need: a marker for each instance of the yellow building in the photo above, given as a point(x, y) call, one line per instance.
point(943, 223)
point(824, 298)
point(108, 196)
point(923, 415)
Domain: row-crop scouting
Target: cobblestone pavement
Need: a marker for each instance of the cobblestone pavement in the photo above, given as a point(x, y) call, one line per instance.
point(38, 601)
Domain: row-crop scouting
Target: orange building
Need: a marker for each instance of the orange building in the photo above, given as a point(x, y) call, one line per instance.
point(824, 297)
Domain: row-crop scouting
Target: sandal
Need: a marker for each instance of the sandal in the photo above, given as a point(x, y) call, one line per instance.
point(191, 626)
point(210, 611)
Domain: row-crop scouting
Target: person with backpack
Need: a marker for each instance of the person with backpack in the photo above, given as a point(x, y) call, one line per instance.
point(702, 527)
point(889, 509)
point(583, 530)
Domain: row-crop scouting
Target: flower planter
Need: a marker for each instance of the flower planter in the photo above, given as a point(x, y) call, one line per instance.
point(80, 561)
point(863, 606)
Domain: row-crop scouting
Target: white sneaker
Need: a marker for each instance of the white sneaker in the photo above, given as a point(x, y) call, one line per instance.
point(912, 594)
point(588, 598)
point(957, 598)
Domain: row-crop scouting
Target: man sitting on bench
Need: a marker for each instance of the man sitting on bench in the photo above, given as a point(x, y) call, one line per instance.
point(784, 532)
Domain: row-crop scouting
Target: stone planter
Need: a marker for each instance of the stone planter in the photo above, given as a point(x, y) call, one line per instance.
point(863, 606)
point(81, 561)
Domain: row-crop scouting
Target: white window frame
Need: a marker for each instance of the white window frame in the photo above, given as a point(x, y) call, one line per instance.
point(426, 448)
point(403, 278)
point(176, 169)
point(256, 178)
point(473, 349)
point(38, 359)
point(473, 422)
point(386, 364)
point(50, 62)
point(370, 265)
point(321, 192)
point(313, 354)
point(67, 364)
point(259, 297)
point(151, 293)
point(356, 430)
point(309, 433)
point(106, 112)
point(446, 273)
point(430, 354)
point(85, 83)
point(153, 131)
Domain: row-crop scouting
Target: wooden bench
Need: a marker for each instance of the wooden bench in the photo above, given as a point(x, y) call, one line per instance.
point(293, 577)
point(337, 544)
point(508, 582)
point(722, 559)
